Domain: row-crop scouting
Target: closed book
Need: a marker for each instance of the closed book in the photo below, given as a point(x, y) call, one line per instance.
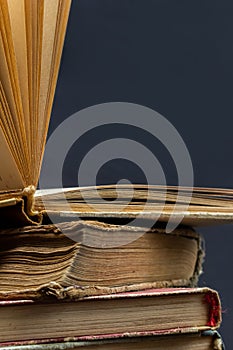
point(206, 340)
point(159, 311)
point(77, 254)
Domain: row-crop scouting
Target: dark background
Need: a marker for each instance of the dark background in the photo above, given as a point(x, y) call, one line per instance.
point(175, 57)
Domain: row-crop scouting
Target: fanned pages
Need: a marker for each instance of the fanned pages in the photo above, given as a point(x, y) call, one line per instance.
point(31, 40)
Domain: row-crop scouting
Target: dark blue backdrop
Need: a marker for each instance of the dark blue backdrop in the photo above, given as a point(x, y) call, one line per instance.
point(175, 57)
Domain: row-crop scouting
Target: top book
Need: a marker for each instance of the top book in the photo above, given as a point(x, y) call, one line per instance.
point(31, 40)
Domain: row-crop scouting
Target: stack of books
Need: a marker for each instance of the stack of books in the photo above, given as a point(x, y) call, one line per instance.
point(104, 285)
point(100, 282)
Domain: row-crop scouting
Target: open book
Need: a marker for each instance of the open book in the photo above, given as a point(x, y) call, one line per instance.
point(31, 40)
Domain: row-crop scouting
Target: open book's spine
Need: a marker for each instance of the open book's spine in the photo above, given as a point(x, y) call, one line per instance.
point(16, 208)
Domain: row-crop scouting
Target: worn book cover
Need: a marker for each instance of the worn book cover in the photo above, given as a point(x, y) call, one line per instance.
point(206, 340)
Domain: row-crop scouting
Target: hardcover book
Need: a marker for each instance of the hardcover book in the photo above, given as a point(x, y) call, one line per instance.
point(166, 311)
point(34, 256)
point(206, 340)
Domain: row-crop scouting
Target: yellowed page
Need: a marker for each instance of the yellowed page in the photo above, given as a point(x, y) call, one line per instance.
point(18, 29)
point(49, 30)
point(10, 83)
point(9, 122)
point(10, 177)
point(6, 83)
point(62, 18)
point(8, 126)
point(31, 39)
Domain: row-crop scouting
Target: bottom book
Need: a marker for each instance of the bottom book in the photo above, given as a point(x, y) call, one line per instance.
point(207, 340)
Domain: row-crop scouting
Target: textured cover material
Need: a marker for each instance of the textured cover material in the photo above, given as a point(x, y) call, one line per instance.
point(80, 342)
